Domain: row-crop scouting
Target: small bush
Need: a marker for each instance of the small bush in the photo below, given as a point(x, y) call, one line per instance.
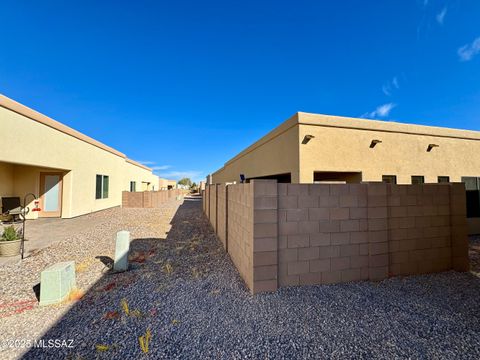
point(10, 234)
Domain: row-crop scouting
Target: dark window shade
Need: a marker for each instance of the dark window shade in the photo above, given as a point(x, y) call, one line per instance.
point(98, 187)
point(472, 185)
point(389, 179)
point(418, 180)
point(473, 203)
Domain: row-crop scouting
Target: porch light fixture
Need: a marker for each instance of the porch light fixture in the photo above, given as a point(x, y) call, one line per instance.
point(374, 143)
point(307, 138)
point(431, 146)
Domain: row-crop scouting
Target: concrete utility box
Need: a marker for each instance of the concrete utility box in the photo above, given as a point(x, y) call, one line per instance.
point(122, 247)
point(56, 282)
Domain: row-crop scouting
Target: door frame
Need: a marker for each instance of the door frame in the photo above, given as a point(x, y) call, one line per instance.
point(50, 214)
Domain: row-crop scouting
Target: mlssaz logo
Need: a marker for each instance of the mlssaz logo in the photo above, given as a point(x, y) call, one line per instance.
point(53, 343)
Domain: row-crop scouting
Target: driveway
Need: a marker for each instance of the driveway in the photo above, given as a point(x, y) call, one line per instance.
point(43, 232)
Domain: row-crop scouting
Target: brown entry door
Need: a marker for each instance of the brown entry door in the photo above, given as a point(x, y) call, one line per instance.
point(50, 194)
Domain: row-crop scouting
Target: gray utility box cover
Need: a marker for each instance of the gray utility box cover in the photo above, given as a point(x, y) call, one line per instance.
point(122, 247)
point(56, 282)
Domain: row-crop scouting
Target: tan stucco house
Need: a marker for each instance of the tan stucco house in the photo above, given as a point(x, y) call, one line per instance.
point(312, 148)
point(71, 173)
point(166, 184)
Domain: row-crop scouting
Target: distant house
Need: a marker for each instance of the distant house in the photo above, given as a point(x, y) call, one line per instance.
point(71, 173)
point(312, 148)
point(165, 184)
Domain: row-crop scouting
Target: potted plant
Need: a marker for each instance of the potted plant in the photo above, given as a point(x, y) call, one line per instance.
point(10, 242)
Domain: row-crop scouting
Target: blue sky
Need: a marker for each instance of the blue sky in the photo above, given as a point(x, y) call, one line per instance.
point(185, 85)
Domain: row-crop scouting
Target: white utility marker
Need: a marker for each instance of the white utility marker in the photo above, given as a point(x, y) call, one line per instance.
point(122, 247)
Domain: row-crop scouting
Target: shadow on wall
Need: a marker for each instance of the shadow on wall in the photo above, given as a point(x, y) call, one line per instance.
point(121, 307)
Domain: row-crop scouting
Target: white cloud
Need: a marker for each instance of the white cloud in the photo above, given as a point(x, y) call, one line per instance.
point(395, 82)
point(177, 175)
point(381, 111)
point(390, 86)
point(468, 51)
point(441, 15)
point(151, 165)
point(386, 90)
point(160, 167)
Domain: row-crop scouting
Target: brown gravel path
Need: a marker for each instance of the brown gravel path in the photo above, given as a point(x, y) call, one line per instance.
point(200, 307)
point(18, 301)
point(474, 253)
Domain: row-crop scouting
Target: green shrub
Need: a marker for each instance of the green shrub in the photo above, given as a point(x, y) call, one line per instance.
point(10, 234)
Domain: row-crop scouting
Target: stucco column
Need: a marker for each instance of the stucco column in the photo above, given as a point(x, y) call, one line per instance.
point(67, 191)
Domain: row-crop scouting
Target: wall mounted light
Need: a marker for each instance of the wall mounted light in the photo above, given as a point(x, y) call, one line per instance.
point(374, 143)
point(307, 138)
point(431, 146)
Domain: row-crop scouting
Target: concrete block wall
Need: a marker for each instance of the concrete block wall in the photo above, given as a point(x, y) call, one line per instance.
point(419, 228)
point(133, 199)
point(323, 234)
point(240, 230)
point(148, 199)
point(207, 201)
point(222, 215)
point(298, 234)
point(265, 236)
point(213, 206)
point(459, 228)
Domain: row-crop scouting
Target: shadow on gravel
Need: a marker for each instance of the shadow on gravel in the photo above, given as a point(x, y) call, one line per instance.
point(36, 290)
point(120, 307)
point(186, 292)
point(106, 260)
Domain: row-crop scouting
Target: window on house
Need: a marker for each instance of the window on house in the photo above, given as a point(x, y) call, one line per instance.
point(443, 179)
point(133, 186)
point(472, 186)
point(389, 179)
point(101, 187)
point(416, 179)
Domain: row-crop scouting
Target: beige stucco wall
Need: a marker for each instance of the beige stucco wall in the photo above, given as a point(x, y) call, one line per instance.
point(343, 145)
point(32, 143)
point(165, 183)
point(19, 180)
point(141, 177)
point(275, 153)
point(6, 179)
point(403, 154)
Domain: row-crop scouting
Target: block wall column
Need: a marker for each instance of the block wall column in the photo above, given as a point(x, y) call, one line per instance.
point(459, 228)
point(378, 258)
point(265, 236)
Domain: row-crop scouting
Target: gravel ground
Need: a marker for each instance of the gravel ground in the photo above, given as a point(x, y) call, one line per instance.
point(474, 254)
point(184, 289)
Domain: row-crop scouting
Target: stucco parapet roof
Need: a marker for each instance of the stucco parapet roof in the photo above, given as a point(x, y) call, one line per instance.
point(303, 118)
point(34, 115)
point(385, 126)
